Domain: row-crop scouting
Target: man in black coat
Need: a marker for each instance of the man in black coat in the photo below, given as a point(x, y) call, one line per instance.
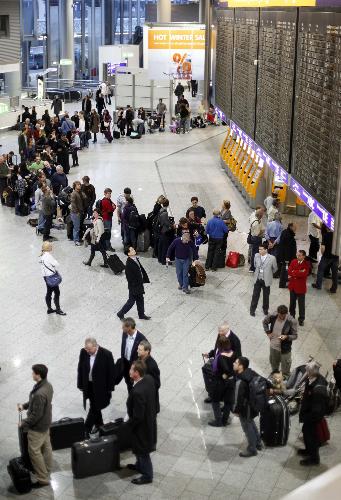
point(313, 408)
point(136, 277)
point(152, 369)
point(95, 380)
point(141, 410)
point(131, 339)
point(225, 331)
point(287, 250)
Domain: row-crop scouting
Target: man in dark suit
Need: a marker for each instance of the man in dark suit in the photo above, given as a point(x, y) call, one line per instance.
point(95, 380)
point(152, 369)
point(141, 410)
point(136, 277)
point(225, 331)
point(131, 338)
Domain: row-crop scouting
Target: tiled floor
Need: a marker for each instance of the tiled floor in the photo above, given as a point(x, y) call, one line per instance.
point(193, 460)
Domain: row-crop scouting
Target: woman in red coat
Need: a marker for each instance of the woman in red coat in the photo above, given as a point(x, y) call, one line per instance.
point(298, 272)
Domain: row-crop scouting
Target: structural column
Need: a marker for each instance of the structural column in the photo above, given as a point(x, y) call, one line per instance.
point(13, 83)
point(66, 33)
point(208, 32)
point(164, 11)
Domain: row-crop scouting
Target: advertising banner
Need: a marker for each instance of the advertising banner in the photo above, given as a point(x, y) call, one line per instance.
point(176, 52)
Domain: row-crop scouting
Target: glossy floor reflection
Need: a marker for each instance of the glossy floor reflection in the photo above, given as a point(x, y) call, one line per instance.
point(193, 461)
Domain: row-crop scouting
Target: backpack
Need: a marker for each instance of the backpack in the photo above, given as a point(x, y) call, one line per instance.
point(258, 393)
point(200, 277)
point(232, 224)
point(129, 115)
point(156, 226)
point(134, 219)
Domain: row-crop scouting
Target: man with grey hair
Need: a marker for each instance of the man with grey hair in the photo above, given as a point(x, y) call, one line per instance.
point(273, 233)
point(313, 409)
point(185, 252)
point(257, 230)
point(215, 229)
point(96, 374)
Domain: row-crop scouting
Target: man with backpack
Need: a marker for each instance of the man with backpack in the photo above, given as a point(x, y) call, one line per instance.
point(249, 400)
point(129, 116)
point(107, 208)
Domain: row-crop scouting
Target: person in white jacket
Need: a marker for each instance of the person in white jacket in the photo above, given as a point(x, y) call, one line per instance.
point(49, 268)
point(96, 236)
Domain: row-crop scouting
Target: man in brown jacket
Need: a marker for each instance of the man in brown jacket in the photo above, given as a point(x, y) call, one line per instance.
point(78, 207)
point(37, 424)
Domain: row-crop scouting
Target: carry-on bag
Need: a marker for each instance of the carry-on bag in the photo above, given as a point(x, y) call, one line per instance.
point(209, 378)
point(143, 241)
point(20, 475)
point(221, 258)
point(115, 264)
point(322, 431)
point(232, 259)
point(66, 431)
point(121, 430)
point(275, 422)
point(89, 458)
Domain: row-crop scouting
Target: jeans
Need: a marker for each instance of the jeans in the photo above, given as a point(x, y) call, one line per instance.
point(145, 466)
point(83, 139)
point(214, 247)
point(182, 268)
point(94, 417)
point(258, 286)
point(107, 227)
point(251, 432)
point(300, 298)
point(325, 262)
point(40, 452)
point(48, 297)
point(314, 247)
point(139, 299)
point(221, 417)
point(278, 358)
point(41, 220)
point(76, 221)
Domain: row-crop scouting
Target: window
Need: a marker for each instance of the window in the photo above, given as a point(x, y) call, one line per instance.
point(4, 26)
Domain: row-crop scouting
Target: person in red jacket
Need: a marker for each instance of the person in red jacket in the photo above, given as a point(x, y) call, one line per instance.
point(107, 207)
point(298, 272)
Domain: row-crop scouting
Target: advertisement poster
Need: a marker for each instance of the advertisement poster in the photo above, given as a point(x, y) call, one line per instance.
point(175, 52)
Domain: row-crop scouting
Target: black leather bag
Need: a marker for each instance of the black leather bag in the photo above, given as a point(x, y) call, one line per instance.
point(66, 431)
point(20, 475)
point(119, 429)
point(89, 458)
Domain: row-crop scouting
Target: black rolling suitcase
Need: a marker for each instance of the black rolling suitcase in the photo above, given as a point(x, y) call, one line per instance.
point(66, 431)
point(89, 458)
point(275, 422)
point(119, 429)
point(20, 475)
point(209, 379)
point(115, 264)
point(221, 259)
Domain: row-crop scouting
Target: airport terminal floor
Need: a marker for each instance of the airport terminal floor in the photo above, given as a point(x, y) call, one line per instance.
point(193, 460)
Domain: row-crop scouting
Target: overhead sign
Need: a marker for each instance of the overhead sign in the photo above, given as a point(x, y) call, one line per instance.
point(176, 52)
point(223, 4)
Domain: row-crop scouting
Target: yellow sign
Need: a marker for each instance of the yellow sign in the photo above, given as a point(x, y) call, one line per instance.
point(271, 3)
point(176, 39)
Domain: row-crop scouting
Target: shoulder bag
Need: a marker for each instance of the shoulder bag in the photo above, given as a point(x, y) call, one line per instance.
point(54, 280)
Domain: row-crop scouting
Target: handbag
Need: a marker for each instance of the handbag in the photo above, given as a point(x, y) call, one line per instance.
point(249, 236)
point(232, 259)
point(54, 280)
point(106, 124)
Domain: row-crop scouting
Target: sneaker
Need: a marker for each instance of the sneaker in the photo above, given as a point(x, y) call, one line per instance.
point(251, 271)
point(186, 291)
point(77, 243)
point(179, 287)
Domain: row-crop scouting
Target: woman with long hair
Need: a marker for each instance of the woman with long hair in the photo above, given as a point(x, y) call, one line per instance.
point(51, 277)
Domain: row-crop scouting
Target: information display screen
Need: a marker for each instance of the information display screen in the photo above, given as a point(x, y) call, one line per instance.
point(224, 61)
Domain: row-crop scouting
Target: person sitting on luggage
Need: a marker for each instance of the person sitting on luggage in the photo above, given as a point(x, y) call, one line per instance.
point(138, 125)
point(243, 406)
point(95, 235)
point(224, 331)
point(223, 383)
point(37, 424)
point(281, 329)
point(313, 409)
point(215, 229)
point(152, 369)
point(185, 252)
point(277, 383)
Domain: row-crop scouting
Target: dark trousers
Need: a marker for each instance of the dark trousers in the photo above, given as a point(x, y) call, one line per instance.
point(256, 241)
point(48, 297)
point(164, 242)
point(145, 466)
point(139, 299)
point(314, 247)
point(3, 186)
point(323, 264)
point(126, 367)
point(258, 286)
point(47, 226)
point(311, 441)
point(300, 298)
point(95, 415)
point(97, 248)
point(74, 157)
point(214, 247)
